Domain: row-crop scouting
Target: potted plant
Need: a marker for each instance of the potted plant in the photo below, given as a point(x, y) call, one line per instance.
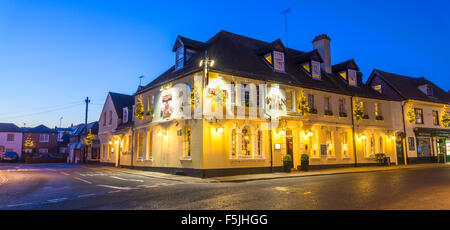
point(312, 110)
point(379, 118)
point(381, 158)
point(287, 163)
point(342, 114)
point(304, 162)
point(328, 112)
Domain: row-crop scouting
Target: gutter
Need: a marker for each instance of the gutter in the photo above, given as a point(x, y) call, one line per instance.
point(405, 154)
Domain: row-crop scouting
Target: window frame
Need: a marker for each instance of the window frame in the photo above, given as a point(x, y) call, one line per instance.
point(421, 115)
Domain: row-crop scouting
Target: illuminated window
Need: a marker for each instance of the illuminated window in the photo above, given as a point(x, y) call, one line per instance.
point(343, 74)
point(149, 153)
point(378, 110)
point(233, 142)
point(278, 58)
point(377, 88)
point(419, 116)
point(380, 142)
point(151, 102)
point(268, 58)
point(259, 145)
point(352, 77)
point(140, 142)
point(344, 143)
point(306, 67)
point(315, 69)
point(372, 144)
point(187, 141)
point(435, 117)
point(246, 142)
point(290, 100)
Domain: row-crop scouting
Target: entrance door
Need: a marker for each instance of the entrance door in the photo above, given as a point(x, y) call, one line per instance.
point(400, 153)
point(290, 149)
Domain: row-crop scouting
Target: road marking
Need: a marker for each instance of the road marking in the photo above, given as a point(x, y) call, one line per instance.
point(115, 191)
point(85, 181)
point(115, 187)
point(3, 179)
point(55, 200)
point(86, 195)
point(120, 178)
point(18, 205)
point(64, 173)
point(284, 189)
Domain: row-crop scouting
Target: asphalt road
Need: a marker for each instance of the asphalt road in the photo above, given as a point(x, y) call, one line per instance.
point(60, 186)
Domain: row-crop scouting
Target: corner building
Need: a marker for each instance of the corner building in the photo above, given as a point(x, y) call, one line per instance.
point(237, 105)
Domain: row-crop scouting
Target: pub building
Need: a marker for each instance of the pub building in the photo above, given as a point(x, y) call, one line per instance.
point(237, 105)
point(426, 109)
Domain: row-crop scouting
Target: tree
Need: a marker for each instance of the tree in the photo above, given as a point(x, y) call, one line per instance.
point(139, 109)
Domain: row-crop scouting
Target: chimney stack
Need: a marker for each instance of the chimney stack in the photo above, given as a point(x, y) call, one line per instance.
point(322, 44)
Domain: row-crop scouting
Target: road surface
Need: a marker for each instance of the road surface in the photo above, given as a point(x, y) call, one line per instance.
point(61, 186)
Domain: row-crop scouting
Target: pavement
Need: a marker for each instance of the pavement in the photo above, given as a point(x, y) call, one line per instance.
point(320, 172)
point(269, 176)
point(69, 187)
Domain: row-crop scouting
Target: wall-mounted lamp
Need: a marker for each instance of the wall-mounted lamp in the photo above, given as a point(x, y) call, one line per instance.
point(116, 142)
point(393, 138)
point(281, 132)
point(219, 130)
point(363, 136)
point(310, 133)
point(160, 133)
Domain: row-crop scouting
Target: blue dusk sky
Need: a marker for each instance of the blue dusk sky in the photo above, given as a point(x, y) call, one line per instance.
point(55, 53)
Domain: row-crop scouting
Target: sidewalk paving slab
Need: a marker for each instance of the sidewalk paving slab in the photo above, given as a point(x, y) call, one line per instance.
point(265, 176)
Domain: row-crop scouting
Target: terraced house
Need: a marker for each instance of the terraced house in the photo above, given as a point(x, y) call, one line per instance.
point(235, 105)
point(426, 113)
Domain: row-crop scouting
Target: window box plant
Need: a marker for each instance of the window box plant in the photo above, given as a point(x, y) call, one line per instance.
point(305, 162)
point(287, 163)
point(150, 112)
point(312, 110)
point(328, 112)
point(342, 114)
point(380, 158)
point(379, 118)
point(365, 117)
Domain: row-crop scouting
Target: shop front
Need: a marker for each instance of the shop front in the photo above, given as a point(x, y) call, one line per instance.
point(433, 144)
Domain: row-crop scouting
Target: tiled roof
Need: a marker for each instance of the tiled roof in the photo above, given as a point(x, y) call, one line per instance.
point(121, 101)
point(39, 129)
point(243, 56)
point(407, 87)
point(9, 127)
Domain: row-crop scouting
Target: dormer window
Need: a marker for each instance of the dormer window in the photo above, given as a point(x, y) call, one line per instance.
point(377, 88)
point(179, 57)
point(352, 77)
point(306, 67)
point(315, 69)
point(268, 58)
point(343, 74)
point(427, 90)
point(278, 60)
point(125, 115)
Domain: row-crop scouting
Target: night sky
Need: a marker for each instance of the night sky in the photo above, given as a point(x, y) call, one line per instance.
point(55, 53)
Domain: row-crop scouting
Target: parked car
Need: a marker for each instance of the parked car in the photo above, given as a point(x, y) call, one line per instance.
point(10, 156)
